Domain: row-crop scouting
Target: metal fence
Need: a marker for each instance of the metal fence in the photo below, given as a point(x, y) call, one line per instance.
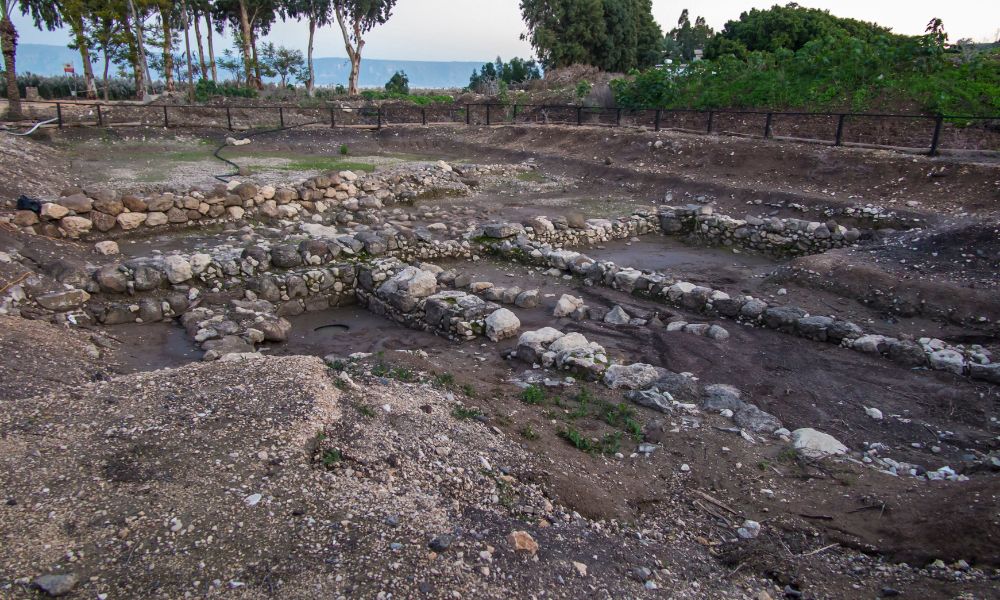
point(907, 131)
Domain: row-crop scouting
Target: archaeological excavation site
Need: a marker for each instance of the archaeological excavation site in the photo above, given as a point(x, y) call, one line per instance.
point(514, 361)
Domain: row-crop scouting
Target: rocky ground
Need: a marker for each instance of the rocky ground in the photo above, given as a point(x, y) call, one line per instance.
point(824, 427)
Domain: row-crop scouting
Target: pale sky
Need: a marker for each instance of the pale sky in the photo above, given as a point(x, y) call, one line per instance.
point(483, 29)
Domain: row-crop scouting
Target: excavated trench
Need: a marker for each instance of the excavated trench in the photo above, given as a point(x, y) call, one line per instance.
point(934, 418)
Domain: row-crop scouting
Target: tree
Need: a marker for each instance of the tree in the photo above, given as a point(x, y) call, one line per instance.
point(283, 62)
point(104, 32)
point(247, 18)
point(399, 83)
point(74, 13)
point(790, 27)
point(230, 62)
point(356, 18)
point(44, 15)
point(682, 41)
point(614, 35)
point(318, 13)
point(516, 72)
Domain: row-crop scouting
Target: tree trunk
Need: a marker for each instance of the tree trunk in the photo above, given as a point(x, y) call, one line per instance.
point(311, 82)
point(201, 50)
point(211, 50)
point(8, 35)
point(246, 36)
point(187, 50)
point(353, 53)
point(88, 69)
point(107, 64)
point(141, 66)
point(257, 81)
point(352, 84)
point(168, 51)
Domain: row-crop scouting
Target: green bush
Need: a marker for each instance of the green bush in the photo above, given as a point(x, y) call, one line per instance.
point(205, 89)
point(54, 88)
point(533, 395)
point(834, 73)
point(399, 83)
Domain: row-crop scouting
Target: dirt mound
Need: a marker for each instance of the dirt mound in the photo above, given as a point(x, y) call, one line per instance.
point(31, 167)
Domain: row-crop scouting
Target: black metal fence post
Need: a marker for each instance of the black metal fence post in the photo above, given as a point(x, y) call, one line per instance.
point(59, 114)
point(166, 121)
point(333, 119)
point(488, 115)
point(515, 114)
point(711, 115)
point(281, 116)
point(767, 126)
point(379, 118)
point(100, 117)
point(468, 114)
point(938, 123)
point(579, 115)
point(618, 117)
point(229, 119)
point(840, 130)
point(659, 112)
point(423, 116)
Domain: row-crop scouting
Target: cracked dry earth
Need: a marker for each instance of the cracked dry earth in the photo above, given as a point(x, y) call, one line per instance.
point(638, 433)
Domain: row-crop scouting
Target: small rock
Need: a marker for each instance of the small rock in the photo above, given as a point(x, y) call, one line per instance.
point(106, 248)
point(56, 584)
point(441, 543)
point(523, 542)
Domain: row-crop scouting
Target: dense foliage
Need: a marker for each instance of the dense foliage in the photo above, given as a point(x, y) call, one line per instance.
point(205, 89)
point(788, 27)
point(399, 83)
point(615, 35)
point(516, 72)
point(418, 99)
point(844, 65)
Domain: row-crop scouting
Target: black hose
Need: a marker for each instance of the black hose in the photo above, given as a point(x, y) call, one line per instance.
point(226, 178)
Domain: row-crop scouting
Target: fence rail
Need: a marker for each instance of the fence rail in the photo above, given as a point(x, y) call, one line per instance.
point(913, 131)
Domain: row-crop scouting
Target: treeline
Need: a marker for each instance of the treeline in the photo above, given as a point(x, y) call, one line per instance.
point(175, 39)
point(782, 57)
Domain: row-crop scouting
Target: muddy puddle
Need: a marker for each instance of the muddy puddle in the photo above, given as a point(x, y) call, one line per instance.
point(151, 346)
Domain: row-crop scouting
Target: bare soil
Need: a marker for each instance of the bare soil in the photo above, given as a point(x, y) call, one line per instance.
point(149, 474)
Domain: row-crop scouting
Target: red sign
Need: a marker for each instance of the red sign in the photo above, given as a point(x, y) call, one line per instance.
point(68, 68)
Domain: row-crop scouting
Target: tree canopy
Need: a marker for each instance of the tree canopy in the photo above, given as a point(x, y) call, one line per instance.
point(614, 35)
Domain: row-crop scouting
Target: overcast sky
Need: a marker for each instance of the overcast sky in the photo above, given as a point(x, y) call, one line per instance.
point(483, 29)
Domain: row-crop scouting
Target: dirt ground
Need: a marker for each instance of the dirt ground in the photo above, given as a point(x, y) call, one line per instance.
point(146, 473)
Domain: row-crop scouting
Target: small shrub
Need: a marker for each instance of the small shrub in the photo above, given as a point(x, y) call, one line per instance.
point(380, 369)
point(344, 150)
point(365, 410)
point(577, 439)
point(533, 395)
point(444, 380)
point(462, 413)
point(331, 457)
point(402, 374)
point(582, 89)
point(528, 433)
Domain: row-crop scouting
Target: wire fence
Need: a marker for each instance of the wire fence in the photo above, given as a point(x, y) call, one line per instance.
point(932, 133)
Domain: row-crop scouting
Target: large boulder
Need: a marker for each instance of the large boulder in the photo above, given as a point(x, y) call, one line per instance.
point(532, 344)
point(752, 418)
point(63, 301)
point(811, 443)
point(566, 305)
point(502, 324)
point(632, 377)
point(177, 269)
point(404, 289)
point(720, 396)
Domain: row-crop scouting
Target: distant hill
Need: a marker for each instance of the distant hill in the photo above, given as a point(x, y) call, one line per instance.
point(43, 59)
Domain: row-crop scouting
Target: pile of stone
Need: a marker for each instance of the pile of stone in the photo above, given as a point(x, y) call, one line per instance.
point(550, 348)
point(409, 295)
point(774, 236)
